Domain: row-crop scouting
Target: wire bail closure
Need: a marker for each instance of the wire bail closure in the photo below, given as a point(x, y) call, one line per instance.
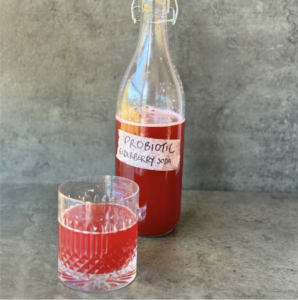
point(175, 11)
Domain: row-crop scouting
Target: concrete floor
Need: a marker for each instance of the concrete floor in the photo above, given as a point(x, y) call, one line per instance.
point(226, 245)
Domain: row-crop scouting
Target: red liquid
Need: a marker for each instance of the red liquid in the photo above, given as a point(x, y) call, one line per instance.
point(160, 191)
point(90, 239)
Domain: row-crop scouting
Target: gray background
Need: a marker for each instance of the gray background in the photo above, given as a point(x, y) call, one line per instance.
point(62, 63)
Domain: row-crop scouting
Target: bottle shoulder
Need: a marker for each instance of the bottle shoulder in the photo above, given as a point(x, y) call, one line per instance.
point(156, 84)
point(151, 78)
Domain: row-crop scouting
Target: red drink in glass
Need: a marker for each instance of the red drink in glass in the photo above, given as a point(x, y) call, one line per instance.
point(92, 241)
point(160, 191)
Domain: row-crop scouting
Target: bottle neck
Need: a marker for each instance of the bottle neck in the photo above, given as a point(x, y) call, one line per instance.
point(153, 35)
point(157, 9)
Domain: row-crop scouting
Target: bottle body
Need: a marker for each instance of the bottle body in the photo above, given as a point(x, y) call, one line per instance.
point(150, 125)
point(160, 191)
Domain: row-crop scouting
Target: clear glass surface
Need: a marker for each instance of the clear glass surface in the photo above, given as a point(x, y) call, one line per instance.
point(151, 106)
point(151, 90)
point(98, 227)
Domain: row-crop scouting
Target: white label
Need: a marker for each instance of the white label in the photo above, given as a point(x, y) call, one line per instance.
point(147, 153)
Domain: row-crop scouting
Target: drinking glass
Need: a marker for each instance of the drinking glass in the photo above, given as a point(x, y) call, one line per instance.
point(98, 228)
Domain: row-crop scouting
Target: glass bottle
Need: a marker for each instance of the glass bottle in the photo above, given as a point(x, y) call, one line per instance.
point(150, 122)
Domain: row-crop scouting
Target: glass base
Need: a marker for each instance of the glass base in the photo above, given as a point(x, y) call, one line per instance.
point(96, 283)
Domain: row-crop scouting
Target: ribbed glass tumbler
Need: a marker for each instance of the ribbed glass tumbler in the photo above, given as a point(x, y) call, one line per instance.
point(98, 229)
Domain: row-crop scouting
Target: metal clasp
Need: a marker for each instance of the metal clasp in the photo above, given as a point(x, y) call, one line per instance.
point(175, 11)
point(133, 7)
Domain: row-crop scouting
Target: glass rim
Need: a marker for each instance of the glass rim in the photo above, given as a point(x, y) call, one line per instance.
point(103, 176)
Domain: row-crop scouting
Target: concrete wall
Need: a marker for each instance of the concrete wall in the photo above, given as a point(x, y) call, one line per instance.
point(62, 63)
